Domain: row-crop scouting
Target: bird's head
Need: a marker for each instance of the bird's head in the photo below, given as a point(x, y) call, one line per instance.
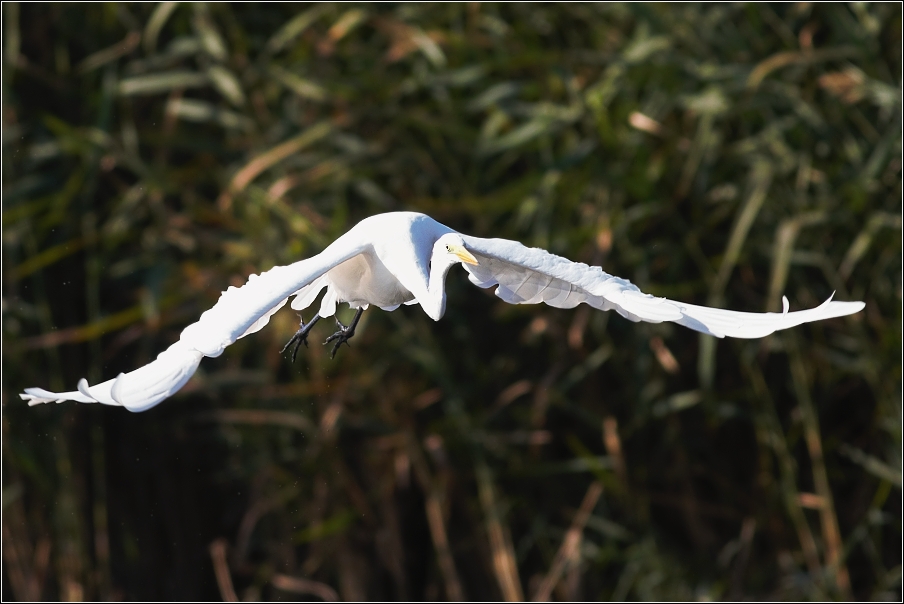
point(450, 249)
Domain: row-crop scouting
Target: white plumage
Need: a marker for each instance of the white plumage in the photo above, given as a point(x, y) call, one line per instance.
point(403, 258)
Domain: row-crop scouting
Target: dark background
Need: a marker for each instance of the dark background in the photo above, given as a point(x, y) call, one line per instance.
point(715, 154)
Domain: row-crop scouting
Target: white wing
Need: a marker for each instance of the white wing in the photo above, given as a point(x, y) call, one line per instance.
point(531, 275)
point(239, 311)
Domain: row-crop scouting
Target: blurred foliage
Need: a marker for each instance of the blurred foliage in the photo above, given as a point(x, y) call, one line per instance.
point(716, 154)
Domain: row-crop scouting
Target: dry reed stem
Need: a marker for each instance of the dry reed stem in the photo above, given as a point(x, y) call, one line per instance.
point(793, 57)
point(84, 333)
point(304, 586)
point(664, 356)
point(433, 509)
point(779, 446)
point(250, 519)
point(108, 55)
point(505, 566)
point(21, 578)
point(261, 417)
point(353, 573)
point(389, 540)
point(569, 552)
point(267, 159)
point(221, 570)
point(830, 532)
point(613, 446)
point(745, 539)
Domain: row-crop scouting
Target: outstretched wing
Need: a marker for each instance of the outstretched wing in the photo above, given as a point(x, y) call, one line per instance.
point(530, 275)
point(239, 311)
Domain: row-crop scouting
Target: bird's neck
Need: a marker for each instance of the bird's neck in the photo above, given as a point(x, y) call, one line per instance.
point(435, 304)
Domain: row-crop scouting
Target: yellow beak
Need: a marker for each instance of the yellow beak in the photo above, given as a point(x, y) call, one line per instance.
point(462, 254)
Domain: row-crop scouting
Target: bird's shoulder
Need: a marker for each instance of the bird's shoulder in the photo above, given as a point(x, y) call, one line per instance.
point(396, 229)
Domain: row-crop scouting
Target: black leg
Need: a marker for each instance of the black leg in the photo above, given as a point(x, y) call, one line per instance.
point(301, 335)
point(345, 333)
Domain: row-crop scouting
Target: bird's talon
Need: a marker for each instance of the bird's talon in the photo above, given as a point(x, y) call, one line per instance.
point(344, 334)
point(301, 336)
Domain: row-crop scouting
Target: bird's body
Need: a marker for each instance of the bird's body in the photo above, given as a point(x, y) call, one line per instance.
point(402, 240)
point(403, 258)
point(365, 280)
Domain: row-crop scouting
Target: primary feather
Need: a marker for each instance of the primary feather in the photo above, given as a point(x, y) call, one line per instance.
point(403, 258)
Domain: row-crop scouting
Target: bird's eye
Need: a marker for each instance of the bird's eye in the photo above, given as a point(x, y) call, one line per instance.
point(448, 248)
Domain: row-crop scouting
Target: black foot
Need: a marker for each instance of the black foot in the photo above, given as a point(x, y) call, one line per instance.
point(301, 336)
point(344, 334)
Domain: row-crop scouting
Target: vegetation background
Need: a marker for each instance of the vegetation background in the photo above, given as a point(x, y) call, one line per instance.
point(716, 154)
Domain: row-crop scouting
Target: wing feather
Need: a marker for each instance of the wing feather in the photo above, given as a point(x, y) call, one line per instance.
point(526, 275)
point(239, 311)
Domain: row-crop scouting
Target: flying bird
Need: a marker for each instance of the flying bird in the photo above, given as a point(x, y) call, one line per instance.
point(403, 258)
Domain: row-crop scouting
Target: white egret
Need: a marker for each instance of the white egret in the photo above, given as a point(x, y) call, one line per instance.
point(403, 258)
